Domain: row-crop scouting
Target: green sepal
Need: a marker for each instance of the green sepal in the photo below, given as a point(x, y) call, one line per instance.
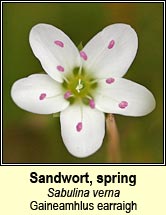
point(56, 114)
point(80, 46)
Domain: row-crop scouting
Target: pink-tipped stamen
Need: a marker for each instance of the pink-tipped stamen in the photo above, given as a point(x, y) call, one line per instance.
point(42, 96)
point(67, 95)
point(60, 68)
point(110, 80)
point(79, 126)
point(111, 44)
point(59, 43)
point(83, 55)
point(92, 103)
point(123, 104)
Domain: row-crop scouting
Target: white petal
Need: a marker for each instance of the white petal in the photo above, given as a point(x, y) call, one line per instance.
point(124, 97)
point(89, 139)
point(39, 93)
point(54, 48)
point(115, 61)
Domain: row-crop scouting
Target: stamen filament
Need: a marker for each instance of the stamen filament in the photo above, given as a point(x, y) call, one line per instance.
point(65, 79)
point(94, 81)
point(80, 70)
point(42, 96)
point(79, 125)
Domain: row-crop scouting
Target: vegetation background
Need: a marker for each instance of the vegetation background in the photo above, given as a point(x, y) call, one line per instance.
point(32, 138)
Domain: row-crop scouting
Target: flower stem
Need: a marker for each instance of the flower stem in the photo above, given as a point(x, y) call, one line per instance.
point(113, 140)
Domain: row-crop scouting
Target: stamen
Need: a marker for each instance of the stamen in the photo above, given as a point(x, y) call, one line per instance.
point(111, 44)
point(67, 95)
point(59, 43)
point(92, 103)
point(66, 80)
point(110, 80)
point(79, 126)
point(42, 96)
point(83, 55)
point(60, 68)
point(123, 104)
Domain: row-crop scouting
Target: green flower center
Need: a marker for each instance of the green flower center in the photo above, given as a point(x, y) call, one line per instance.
point(79, 85)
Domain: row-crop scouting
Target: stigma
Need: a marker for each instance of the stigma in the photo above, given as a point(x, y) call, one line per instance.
point(79, 86)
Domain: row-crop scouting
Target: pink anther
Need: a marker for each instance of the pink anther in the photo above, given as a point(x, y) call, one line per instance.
point(92, 103)
point(60, 68)
point(83, 55)
point(111, 44)
point(123, 104)
point(59, 43)
point(67, 94)
point(110, 80)
point(42, 96)
point(79, 126)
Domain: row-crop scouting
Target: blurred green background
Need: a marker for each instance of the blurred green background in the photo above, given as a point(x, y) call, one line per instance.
point(32, 138)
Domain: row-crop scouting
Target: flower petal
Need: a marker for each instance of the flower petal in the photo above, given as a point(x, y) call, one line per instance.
point(55, 50)
point(124, 97)
point(82, 130)
point(111, 51)
point(38, 93)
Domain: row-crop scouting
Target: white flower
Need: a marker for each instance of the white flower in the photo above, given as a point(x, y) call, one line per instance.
point(83, 86)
